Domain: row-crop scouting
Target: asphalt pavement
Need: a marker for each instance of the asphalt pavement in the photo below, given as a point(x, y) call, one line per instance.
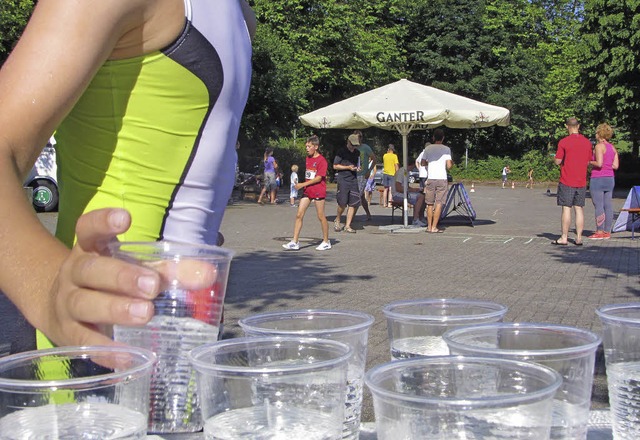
point(505, 257)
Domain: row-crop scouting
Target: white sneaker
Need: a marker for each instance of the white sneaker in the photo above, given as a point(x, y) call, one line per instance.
point(324, 246)
point(419, 223)
point(291, 246)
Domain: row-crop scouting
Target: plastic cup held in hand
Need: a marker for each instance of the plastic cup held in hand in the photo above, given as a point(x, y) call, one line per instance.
point(71, 393)
point(568, 350)
point(456, 398)
point(350, 327)
point(416, 327)
point(272, 388)
point(621, 341)
point(188, 311)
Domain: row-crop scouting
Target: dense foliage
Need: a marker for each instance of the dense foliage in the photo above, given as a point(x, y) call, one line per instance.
point(545, 60)
point(13, 18)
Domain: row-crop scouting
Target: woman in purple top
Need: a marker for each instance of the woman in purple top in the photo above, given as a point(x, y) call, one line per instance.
point(269, 181)
point(604, 161)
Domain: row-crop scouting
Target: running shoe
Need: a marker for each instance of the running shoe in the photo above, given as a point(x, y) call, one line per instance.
point(606, 236)
point(599, 235)
point(291, 246)
point(419, 223)
point(324, 246)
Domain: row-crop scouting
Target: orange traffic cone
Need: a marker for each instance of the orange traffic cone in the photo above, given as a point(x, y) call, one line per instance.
point(513, 185)
point(473, 189)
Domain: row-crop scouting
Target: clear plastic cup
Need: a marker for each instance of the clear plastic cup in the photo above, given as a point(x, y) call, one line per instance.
point(69, 393)
point(350, 327)
point(187, 314)
point(272, 388)
point(568, 350)
point(455, 397)
point(621, 341)
point(416, 327)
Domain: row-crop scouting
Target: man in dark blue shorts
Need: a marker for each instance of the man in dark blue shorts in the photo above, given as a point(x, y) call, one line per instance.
point(346, 165)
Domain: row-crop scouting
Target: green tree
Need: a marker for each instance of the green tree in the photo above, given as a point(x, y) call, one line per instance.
point(14, 15)
point(310, 53)
point(611, 59)
point(487, 50)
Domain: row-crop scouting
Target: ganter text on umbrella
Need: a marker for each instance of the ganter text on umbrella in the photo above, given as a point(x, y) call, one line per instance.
point(400, 117)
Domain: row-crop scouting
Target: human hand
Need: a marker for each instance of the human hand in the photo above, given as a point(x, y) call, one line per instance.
point(298, 186)
point(93, 291)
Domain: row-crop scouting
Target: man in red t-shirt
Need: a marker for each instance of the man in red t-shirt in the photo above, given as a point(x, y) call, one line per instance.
point(573, 156)
point(315, 189)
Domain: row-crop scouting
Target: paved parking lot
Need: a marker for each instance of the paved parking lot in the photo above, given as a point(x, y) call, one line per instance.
point(507, 257)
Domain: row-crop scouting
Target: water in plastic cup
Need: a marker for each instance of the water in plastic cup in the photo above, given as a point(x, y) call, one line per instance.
point(268, 388)
point(350, 327)
point(74, 393)
point(568, 350)
point(621, 341)
point(457, 397)
point(187, 314)
point(415, 327)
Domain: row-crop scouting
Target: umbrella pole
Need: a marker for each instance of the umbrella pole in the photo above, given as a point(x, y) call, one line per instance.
point(405, 153)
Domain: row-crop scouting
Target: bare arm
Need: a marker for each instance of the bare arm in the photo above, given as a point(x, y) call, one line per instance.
point(449, 164)
point(599, 154)
point(616, 161)
point(71, 292)
point(306, 183)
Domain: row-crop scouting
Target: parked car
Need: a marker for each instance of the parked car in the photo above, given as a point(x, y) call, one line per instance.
point(43, 180)
point(414, 175)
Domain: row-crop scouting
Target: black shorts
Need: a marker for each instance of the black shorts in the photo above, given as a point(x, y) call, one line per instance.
point(304, 196)
point(348, 194)
point(570, 196)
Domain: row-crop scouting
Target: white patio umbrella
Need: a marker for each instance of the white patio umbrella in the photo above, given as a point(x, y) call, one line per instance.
point(405, 106)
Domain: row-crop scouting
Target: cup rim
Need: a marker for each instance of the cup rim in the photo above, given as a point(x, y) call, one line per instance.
point(81, 352)
point(185, 249)
point(605, 314)
point(456, 401)
point(389, 312)
point(204, 366)
point(245, 323)
point(592, 340)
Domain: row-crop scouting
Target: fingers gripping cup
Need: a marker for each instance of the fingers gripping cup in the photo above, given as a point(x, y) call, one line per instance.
point(188, 311)
point(272, 388)
point(416, 327)
point(569, 351)
point(456, 398)
point(346, 326)
point(621, 341)
point(71, 393)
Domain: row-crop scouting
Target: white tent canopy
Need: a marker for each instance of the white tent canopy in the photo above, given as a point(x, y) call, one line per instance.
point(405, 106)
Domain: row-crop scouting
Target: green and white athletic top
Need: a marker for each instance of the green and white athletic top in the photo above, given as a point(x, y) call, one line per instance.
point(156, 134)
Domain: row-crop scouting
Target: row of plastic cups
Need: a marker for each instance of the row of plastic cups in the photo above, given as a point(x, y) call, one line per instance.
point(426, 397)
point(434, 327)
point(272, 386)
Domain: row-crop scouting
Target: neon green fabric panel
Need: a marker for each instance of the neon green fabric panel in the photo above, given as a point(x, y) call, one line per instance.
point(134, 153)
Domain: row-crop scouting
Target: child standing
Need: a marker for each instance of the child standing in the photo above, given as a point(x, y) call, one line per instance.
point(294, 181)
point(315, 189)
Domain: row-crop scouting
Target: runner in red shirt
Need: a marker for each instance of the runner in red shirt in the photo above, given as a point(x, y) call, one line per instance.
point(315, 189)
point(573, 156)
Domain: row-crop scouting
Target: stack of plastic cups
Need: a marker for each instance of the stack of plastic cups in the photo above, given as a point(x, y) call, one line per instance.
point(349, 327)
point(416, 327)
point(188, 311)
point(75, 393)
point(461, 398)
point(621, 340)
point(272, 387)
point(569, 351)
